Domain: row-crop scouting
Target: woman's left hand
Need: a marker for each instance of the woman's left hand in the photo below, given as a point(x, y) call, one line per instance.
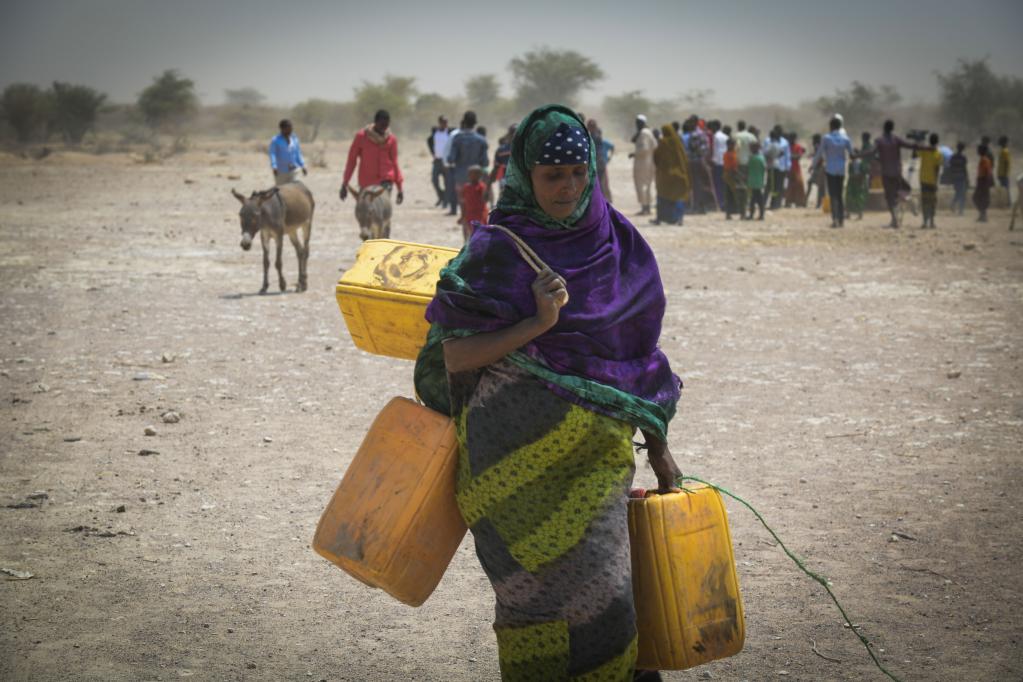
point(662, 462)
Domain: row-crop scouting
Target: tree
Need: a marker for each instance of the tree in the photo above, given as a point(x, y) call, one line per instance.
point(429, 106)
point(975, 100)
point(74, 110)
point(481, 92)
point(698, 100)
point(395, 94)
point(860, 105)
point(622, 110)
point(244, 97)
point(168, 102)
point(26, 109)
point(547, 76)
point(312, 113)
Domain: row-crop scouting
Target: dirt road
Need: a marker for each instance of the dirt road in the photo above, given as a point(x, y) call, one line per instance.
point(863, 387)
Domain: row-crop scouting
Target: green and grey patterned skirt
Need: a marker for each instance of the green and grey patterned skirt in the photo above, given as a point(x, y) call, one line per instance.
point(542, 484)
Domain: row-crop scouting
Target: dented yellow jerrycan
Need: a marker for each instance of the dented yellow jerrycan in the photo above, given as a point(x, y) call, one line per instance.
point(393, 522)
point(688, 606)
point(383, 296)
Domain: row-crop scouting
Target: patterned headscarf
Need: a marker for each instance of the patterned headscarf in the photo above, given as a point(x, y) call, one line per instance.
point(532, 137)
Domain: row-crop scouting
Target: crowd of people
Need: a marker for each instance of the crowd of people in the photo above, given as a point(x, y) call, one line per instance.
point(693, 166)
point(699, 166)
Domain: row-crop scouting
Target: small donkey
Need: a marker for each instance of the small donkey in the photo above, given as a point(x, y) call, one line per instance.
point(273, 212)
point(373, 211)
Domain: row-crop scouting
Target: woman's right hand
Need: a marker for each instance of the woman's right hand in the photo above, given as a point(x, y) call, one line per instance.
point(550, 293)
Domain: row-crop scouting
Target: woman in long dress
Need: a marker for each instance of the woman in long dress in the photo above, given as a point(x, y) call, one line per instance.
point(795, 193)
point(672, 177)
point(547, 378)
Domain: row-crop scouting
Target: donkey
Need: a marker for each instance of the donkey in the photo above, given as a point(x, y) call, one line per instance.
point(373, 211)
point(272, 212)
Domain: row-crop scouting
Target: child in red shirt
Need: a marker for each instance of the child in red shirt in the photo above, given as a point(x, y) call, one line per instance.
point(474, 200)
point(732, 186)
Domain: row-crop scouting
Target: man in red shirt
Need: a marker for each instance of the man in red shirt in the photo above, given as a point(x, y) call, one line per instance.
point(375, 150)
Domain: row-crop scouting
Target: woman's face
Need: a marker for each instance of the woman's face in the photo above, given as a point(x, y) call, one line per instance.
point(558, 189)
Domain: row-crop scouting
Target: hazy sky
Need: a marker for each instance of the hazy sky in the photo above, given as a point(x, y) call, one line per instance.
point(748, 52)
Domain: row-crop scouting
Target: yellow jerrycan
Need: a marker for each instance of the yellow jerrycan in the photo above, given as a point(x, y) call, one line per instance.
point(826, 204)
point(383, 296)
point(393, 522)
point(688, 606)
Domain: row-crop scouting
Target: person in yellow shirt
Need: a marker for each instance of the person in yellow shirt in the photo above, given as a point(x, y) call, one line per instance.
point(1004, 162)
point(931, 161)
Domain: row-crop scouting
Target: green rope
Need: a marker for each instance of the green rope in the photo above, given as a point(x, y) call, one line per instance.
point(816, 576)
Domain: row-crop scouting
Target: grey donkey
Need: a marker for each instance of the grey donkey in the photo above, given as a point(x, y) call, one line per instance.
point(272, 213)
point(373, 211)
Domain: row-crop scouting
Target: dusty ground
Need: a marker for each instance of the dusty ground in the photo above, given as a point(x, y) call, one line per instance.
point(862, 387)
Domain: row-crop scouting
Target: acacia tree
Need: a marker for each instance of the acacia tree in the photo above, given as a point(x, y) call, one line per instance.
point(168, 102)
point(860, 105)
point(395, 94)
point(482, 91)
point(74, 110)
point(546, 76)
point(312, 113)
point(244, 97)
point(623, 109)
point(975, 100)
point(26, 109)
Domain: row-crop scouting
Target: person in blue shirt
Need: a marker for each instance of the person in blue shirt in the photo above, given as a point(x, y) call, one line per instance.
point(285, 155)
point(835, 146)
point(467, 148)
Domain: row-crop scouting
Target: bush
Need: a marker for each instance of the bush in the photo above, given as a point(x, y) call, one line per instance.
point(168, 103)
point(26, 108)
point(74, 110)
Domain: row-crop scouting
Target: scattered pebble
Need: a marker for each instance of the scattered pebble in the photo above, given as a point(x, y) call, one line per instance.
point(954, 374)
point(145, 453)
point(149, 431)
point(268, 439)
point(168, 358)
point(121, 509)
point(170, 417)
point(148, 376)
point(72, 439)
point(14, 574)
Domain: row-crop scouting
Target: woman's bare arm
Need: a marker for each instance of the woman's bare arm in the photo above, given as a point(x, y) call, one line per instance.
point(662, 462)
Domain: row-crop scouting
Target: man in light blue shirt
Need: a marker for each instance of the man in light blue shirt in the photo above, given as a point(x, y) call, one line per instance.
point(834, 148)
point(286, 155)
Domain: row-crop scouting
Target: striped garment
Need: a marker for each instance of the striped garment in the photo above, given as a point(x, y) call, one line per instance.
point(542, 484)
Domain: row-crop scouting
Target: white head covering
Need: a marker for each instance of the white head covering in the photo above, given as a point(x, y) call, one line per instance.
point(641, 117)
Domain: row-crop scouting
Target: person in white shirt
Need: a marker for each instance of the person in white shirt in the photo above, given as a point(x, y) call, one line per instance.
point(438, 144)
point(643, 169)
point(717, 161)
